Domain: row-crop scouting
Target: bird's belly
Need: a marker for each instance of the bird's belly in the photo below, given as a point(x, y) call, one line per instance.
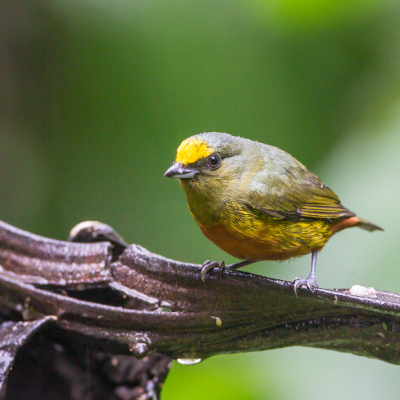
point(276, 240)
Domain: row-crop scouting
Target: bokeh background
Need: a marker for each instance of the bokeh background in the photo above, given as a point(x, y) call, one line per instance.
point(95, 97)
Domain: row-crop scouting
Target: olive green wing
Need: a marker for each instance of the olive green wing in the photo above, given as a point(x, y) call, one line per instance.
point(299, 197)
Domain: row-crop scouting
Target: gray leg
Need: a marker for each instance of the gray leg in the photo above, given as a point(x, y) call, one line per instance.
point(311, 281)
point(209, 265)
point(240, 264)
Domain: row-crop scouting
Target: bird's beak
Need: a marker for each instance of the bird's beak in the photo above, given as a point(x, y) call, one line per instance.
point(178, 171)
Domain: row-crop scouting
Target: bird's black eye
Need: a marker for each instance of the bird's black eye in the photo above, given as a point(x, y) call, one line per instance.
point(214, 161)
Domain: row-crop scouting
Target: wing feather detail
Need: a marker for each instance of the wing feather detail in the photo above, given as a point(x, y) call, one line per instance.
point(306, 200)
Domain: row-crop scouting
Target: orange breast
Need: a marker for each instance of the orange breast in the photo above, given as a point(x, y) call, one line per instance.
point(250, 235)
point(266, 246)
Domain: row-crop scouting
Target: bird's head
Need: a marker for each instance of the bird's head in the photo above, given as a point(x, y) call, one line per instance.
point(206, 158)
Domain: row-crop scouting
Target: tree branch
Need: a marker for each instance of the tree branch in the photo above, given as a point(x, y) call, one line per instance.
point(144, 303)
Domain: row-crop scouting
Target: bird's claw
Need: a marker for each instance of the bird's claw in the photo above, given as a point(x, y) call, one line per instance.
point(208, 266)
point(310, 282)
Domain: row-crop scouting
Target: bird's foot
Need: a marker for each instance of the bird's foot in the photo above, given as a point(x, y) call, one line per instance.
point(310, 282)
point(208, 266)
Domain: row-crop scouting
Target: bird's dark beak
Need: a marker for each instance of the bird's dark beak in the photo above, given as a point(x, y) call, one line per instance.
point(178, 171)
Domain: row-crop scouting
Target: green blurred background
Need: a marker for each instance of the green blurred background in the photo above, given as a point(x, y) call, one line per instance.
point(96, 96)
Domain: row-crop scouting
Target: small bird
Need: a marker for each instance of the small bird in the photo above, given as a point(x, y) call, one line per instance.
point(257, 202)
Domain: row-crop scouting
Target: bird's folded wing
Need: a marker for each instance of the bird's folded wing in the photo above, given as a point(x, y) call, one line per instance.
point(310, 199)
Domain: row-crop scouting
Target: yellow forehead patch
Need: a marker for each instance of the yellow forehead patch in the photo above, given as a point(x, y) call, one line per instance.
point(192, 150)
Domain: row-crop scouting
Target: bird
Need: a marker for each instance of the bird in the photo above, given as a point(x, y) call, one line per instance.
point(257, 202)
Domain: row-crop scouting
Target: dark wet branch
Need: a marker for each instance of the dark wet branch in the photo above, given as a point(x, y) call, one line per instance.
point(13, 336)
point(145, 304)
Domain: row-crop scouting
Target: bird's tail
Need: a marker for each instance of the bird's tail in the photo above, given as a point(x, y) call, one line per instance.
point(368, 226)
point(354, 221)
